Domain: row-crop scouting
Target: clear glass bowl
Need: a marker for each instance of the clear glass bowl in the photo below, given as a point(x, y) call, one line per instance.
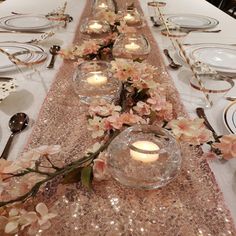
point(103, 5)
point(93, 80)
point(93, 28)
point(144, 156)
point(133, 18)
point(131, 46)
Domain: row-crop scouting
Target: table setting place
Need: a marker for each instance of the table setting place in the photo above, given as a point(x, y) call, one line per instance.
point(117, 118)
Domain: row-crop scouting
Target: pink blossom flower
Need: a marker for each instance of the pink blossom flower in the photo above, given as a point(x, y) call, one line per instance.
point(190, 131)
point(140, 75)
point(28, 159)
point(103, 108)
point(142, 108)
point(124, 69)
point(113, 121)
point(130, 118)
point(5, 165)
point(209, 156)
point(156, 101)
point(100, 171)
point(48, 150)
point(76, 51)
point(94, 148)
point(108, 16)
point(227, 146)
point(125, 29)
point(159, 104)
point(17, 220)
point(89, 47)
point(44, 215)
point(110, 38)
point(67, 54)
point(96, 125)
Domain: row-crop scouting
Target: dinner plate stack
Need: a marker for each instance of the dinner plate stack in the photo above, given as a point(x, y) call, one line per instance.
point(26, 23)
point(192, 21)
point(220, 57)
point(27, 53)
point(229, 117)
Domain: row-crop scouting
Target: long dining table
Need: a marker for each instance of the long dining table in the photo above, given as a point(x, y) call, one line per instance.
point(33, 88)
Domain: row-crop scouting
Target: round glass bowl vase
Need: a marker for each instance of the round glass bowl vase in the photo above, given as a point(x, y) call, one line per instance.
point(133, 18)
point(93, 80)
point(131, 46)
point(93, 28)
point(144, 156)
point(103, 5)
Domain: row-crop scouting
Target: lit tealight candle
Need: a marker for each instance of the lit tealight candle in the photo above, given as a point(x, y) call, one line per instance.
point(129, 17)
point(103, 6)
point(145, 146)
point(95, 26)
point(132, 46)
point(97, 80)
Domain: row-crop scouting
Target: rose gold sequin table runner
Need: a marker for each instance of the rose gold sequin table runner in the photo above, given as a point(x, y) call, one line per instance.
point(191, 205)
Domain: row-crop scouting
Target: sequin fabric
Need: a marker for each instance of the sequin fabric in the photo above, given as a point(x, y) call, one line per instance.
point(191, 205)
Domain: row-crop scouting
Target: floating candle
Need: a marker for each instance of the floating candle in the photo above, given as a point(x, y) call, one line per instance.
point(97, 80)
point(95, 26)
point(103, 6)
point(132, 46)
point(145, 146)
point(129, 17)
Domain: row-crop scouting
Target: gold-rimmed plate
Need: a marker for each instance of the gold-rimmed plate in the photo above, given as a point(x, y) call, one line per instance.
point(229, 117)
point(26, 22)
point(192, 21)
point(26, 53)
point(221, 52)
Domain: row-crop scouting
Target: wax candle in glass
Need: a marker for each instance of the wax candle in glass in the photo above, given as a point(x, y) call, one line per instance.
point(133, 18)
point(97, 78)
point(93, 80)
point(101, 5)
point(144, 151)
point(131, 46)
point(144, 156)
point(93, 28)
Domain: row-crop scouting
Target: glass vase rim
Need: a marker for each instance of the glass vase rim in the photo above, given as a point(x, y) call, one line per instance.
point(96, 62)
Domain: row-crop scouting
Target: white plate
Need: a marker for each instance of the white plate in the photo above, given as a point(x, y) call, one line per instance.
point(26, 22)
point(220, 57)
point(14, 48)
point(191, 21)
point(229, 117)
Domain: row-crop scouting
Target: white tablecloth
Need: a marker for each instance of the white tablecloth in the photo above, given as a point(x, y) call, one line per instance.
point(33, 89)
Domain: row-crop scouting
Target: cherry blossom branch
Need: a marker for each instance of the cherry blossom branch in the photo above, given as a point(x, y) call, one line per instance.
point(63, 171)
point(52, 165)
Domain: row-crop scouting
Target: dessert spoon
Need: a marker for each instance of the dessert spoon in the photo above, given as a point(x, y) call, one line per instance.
point(17, 124)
